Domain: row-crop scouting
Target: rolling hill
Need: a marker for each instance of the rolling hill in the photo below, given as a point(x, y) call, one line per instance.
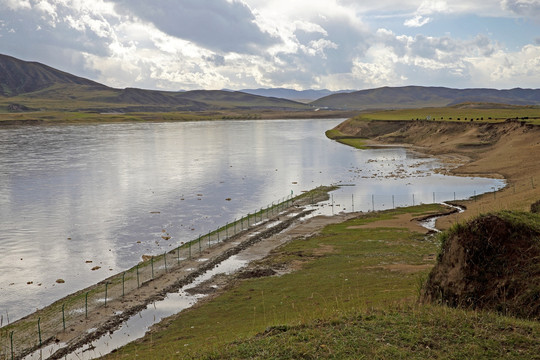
point(291, 94)
point(32, 85)
point(419, 96)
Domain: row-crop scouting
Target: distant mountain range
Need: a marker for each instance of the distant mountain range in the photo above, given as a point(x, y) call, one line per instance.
point(306, 96)
point(31, 85)
point(419, 96)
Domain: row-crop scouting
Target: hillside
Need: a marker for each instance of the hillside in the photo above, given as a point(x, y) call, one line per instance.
point(30, 85)
point(295, 95)
point(20, 77)
point(418, 96)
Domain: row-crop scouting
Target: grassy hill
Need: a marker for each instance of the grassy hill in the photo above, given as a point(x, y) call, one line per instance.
point(31, 86)
point(20, 77)
point(418, 97)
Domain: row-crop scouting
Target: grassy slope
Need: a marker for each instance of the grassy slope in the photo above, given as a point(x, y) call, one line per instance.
point(353, 296)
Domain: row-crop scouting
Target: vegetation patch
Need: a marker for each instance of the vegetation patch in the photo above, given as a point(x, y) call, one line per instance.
point(398, 333)
point(492, 262)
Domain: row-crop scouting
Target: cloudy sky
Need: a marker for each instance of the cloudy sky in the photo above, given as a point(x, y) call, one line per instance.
point(300, 44)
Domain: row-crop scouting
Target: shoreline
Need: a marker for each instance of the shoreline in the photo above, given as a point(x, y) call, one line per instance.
point(484, 202)
point(504, 150)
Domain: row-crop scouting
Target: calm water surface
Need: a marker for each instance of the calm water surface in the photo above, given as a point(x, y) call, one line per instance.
point(104, 193)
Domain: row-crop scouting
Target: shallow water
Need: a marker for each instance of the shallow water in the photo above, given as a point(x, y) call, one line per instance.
point(104, 193)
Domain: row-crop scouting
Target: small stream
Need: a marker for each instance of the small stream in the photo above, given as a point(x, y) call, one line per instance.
point(430, 223)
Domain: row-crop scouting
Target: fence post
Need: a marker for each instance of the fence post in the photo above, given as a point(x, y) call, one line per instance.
point(123, 283)
point(189, 249)
point(86, 305)
point(64, 317)
point(138, 282)
point(217, 234)
point(235, 226)
point(200, 249)
point(39, 330)
point(152, 264)
point(208, 238)
point(248, 219)
point(106, 288)
point(11, 338)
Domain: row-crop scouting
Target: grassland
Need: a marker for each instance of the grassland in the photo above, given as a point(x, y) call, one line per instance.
point(353, 294)
point(462, 113)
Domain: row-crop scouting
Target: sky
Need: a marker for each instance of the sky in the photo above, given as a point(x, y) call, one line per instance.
point(298, 44)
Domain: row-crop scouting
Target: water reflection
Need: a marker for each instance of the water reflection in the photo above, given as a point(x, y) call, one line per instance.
point(104, 193)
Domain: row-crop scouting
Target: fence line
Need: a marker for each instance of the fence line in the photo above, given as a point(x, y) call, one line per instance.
point(20, 340)
point(16, 341)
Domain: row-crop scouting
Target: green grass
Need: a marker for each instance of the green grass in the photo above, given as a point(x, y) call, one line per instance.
point(343, 301)
point(409, 332)
point(345, 139)
point(531, 114)
point(345, 269)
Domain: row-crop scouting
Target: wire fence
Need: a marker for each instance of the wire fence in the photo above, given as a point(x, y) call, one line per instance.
point(34, 332)
point(350, 199)
point(31, 333)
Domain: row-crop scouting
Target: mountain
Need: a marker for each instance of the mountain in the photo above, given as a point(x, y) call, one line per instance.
point(34, 85)
point(296, 95)
point(419, 96)
point(19, 77)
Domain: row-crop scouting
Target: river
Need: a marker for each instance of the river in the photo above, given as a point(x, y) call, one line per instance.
point(77, 197)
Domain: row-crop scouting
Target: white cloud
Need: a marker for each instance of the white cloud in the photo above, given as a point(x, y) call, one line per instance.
point(525, 8)
point(181, 44)
point(506, 70)
point(424, 12)
point(218, 25)
point(16, 4)
point(417, 21)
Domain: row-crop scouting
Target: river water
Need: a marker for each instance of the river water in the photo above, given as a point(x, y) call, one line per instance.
point(76, 197)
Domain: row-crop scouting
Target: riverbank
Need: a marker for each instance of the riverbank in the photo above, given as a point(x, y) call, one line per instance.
point(355, 286)
point(506, 150)
point(397, 223)
point(85, 118)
